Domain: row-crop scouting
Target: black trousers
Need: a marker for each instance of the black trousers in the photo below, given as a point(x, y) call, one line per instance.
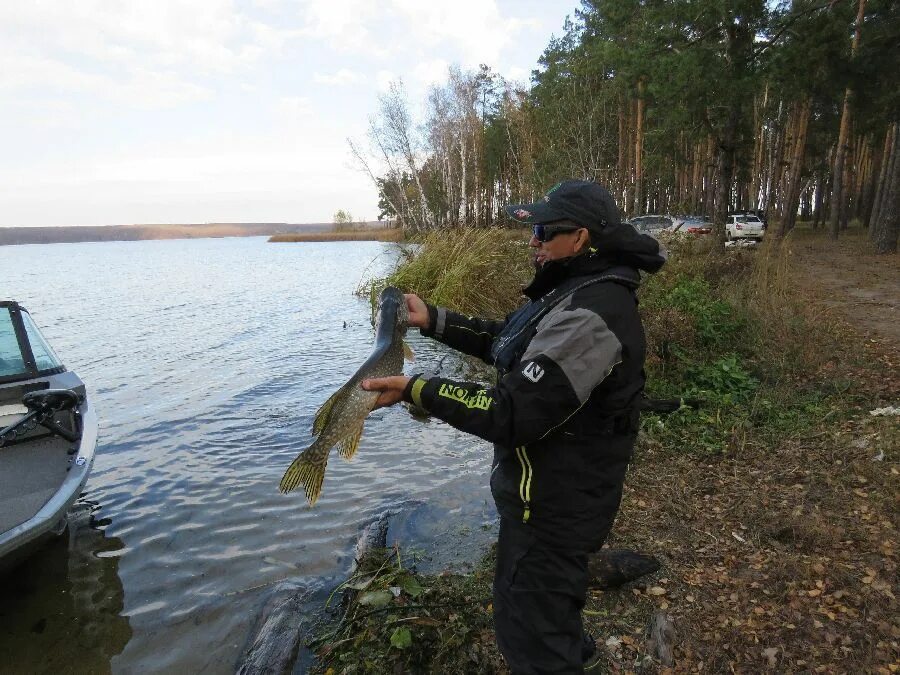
point(539, 592)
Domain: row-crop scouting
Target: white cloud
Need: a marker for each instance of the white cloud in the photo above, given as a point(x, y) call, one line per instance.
point(292, 108)
point(139, 54)
point(343, 76)
point(345, 19)
point(383, 79)
point(431, 72)
point(474, 27)
point(518, 74)
point(142, 88)
point(209, 35)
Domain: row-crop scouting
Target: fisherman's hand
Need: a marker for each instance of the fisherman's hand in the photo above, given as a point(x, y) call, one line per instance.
point(418, 311)
point(391, 388)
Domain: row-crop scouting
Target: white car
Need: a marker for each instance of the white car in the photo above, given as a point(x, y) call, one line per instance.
point(744, 227)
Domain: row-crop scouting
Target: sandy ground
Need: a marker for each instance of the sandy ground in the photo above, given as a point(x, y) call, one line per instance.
point(859, 286)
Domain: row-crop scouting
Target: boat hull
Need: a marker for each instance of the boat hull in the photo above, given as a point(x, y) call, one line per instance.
point(50, 518)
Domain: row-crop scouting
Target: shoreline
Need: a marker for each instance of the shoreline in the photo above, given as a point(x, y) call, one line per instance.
point(383, 234)
point(69, 234)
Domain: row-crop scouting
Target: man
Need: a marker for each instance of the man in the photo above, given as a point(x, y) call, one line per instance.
point(562, 416)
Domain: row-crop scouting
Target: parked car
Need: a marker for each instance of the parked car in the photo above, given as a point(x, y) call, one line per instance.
point(670, 225)
point(696, 225)
point(655, 225)
point(743, 227)
point(760, 215)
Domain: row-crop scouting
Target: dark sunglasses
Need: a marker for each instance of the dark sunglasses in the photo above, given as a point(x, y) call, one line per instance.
point(545, 233)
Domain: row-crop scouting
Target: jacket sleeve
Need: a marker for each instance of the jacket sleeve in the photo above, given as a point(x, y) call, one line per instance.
point(466, 334)
point(571, 353)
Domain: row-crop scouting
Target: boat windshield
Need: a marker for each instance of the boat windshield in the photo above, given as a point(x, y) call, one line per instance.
point(13, 361)
point(44, 357)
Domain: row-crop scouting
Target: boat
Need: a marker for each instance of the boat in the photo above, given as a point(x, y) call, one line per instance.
point(48, 436)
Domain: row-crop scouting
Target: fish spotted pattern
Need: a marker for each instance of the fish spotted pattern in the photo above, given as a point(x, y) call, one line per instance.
point(339, 422)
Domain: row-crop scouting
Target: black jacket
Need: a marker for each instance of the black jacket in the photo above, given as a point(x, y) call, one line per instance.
point(563, 415)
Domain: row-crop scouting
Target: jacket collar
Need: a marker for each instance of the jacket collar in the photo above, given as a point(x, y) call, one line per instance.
point(555, 272)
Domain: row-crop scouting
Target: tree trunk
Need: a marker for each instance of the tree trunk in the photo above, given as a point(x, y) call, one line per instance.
point(638, 151)
point(725, 173)
point(621, 168)
point(775, 152)
point(792, 191)
point(756, 178)
point(887, 225)
point(868, 191)
point(709, 193)
point(697, 178)
point(837, 189)
point(819, 203)
point(890, 139)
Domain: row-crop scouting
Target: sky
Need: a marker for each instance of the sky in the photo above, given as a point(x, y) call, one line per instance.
point(195, 111)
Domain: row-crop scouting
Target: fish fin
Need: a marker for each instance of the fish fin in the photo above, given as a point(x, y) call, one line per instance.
point(408, 352)
point(309, 473)
point(323, 414)
point(350, 444)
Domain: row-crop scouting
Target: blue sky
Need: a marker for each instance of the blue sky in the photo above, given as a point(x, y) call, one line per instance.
point(175, 111)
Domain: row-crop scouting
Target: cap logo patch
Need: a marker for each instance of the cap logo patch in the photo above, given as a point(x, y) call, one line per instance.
point(533, 371)
point(522, 213)
point(551, 191)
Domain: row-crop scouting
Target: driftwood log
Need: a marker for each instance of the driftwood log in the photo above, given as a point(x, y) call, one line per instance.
point(274, 649)
point(610, 568)
point(661, 638)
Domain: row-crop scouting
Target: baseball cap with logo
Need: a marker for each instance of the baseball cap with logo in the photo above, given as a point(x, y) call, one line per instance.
point(584, 202)
point(592, 206)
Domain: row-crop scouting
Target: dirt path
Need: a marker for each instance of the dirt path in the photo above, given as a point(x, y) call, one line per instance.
point(858, 286)
point(780, 557)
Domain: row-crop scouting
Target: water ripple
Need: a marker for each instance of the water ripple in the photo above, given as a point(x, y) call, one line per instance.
point(206, 361)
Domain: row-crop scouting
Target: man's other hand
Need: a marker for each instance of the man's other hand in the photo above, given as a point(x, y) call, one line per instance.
point(418, 311)
point(391, 388)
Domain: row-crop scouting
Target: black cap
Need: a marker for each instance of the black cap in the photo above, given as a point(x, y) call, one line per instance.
point(590, 205)
point(584, 202)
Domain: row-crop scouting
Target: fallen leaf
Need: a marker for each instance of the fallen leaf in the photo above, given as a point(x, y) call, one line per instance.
point(401, 638)
point(376, 598)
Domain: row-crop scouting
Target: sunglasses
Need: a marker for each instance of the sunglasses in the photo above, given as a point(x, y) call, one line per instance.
point(544, 233)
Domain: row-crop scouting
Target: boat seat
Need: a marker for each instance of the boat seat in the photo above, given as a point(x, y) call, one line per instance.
point(32, 473)
point(11, 413)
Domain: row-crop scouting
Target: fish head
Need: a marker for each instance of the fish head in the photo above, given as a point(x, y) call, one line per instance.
point(392, 309)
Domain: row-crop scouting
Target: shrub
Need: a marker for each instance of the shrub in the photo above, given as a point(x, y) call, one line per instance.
point(473, 271)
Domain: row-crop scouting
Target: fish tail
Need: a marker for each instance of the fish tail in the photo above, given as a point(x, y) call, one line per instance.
point(306, 471)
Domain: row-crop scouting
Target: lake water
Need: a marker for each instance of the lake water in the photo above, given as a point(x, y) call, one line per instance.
point(206, 361)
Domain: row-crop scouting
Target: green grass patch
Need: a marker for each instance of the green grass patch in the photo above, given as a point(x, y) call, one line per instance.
point(393, 620)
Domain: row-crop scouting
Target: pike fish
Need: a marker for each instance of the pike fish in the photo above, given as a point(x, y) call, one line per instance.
point(340, 419)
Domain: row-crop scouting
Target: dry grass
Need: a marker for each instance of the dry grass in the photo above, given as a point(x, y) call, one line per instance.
point(372, 234)
point(474, 271)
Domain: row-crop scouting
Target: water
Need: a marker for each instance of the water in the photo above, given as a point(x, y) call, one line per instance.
point(206, 361)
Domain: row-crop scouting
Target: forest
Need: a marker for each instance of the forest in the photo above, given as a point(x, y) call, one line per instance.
point(677, 106)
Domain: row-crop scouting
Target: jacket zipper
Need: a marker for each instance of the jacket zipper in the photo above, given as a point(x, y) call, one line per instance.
point(525, 482)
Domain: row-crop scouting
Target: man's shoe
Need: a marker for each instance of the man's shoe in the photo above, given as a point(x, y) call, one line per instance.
point(590, 655)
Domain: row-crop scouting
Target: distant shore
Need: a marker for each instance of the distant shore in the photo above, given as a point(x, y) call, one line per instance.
point(368, 234)
point(11, 236)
